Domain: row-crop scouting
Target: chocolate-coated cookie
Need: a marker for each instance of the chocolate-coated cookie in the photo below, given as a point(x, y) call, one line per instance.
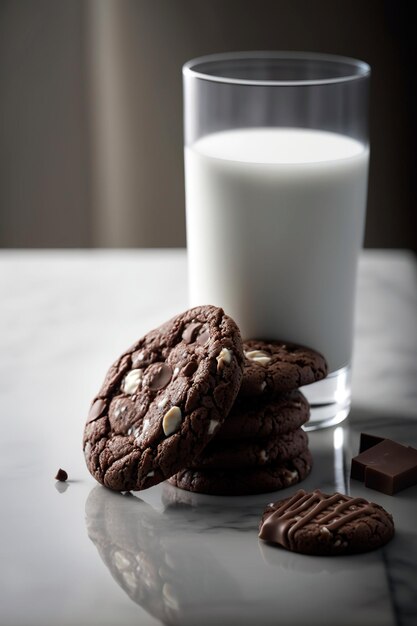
point(317, 523)
point(164, 399)
point(251, 453)
point(245, 481)
point(265, 417)
point(275, 366)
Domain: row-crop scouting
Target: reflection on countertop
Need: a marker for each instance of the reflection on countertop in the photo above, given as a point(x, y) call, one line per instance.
point(144, 551)
point(189, 558)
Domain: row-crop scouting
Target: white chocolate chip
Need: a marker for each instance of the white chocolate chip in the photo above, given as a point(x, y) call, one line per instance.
point(117, 408)
point(132, 381)
point(212, 426)
point(337, 543)
point(325, 531)
point(176, 372)
point(262, 360)
point(151, 473)
point(130, 580)
point(171, 420)
point(139, 433)
point(162, 403)
point(264, 456)
point(254, 354)
point(258, 356)
point(120, 561)
point(224, 358)
point(129, 431)
point(140, 356)
point(169, 597)
point(294, 475)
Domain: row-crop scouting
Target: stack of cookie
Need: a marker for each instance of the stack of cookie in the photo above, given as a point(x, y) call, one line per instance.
point(261, 446)
point(192, 403)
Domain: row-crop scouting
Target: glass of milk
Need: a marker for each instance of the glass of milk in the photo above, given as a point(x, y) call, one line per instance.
point(276, 168)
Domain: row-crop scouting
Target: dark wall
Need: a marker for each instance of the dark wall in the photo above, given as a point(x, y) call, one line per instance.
point(51, 182)
point(43, 140)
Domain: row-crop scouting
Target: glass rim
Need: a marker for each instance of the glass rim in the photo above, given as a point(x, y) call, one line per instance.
point(360, 69)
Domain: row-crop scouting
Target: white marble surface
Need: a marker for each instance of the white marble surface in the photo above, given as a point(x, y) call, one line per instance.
point(76, 553)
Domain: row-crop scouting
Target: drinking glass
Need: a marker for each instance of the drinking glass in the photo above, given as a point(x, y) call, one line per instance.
point(276, 168)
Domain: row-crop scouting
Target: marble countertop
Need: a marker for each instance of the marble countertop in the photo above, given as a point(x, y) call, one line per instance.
point(77, 554)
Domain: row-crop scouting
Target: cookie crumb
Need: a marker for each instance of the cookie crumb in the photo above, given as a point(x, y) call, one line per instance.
point(61, 475)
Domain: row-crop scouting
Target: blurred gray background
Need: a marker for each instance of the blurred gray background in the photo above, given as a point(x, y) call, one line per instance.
point(91, 109)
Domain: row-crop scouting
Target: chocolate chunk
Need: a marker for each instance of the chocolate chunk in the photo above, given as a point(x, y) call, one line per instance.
point(191, 331)
point(367, 441)
point(158, 376)
point(96, 411)
point(61, 475)
point(204, 336)
point(190, 368)
point(387, 466)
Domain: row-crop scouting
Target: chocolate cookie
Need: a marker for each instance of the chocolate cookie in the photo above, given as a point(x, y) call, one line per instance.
point(266, 417)
point(246, 481)
point(164, 399)
point(275, 366)
point(251, 453)
point(316, 523)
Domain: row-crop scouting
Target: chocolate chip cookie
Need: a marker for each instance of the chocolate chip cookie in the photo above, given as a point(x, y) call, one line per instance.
point(275, 366)
point(265, 417)
point(317, 523)
point(251, 453)
point(245, 481)
point(164, 399)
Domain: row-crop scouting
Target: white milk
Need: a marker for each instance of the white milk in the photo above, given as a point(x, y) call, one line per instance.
point(275, 220)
